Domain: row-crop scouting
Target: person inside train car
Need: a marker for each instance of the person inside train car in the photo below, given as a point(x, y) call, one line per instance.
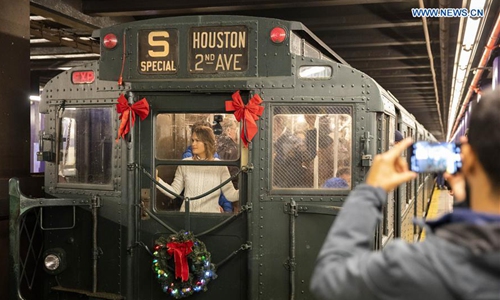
point(227, 148)
point(460, 256)
point(293, 155)
point(225, 204)
point(196, 180)
point(341, 181)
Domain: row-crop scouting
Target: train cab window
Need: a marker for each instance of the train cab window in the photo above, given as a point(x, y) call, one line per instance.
point(173, 135)
point(299, 46)
point(295, 44)
point(175, 153)
point(311, 148)
point(86, 144)
point(310, 51)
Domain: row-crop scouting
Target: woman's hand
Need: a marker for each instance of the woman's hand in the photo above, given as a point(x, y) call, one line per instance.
point(389, 169)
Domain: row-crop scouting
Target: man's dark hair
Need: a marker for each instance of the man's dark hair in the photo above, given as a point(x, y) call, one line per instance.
point(484, 134)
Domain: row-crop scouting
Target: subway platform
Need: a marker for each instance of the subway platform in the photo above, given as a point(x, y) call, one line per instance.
point(441, 203)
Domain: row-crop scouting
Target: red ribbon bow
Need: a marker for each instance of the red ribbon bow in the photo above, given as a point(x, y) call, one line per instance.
point(141, 108)
point(180, 251)
point(248, 113)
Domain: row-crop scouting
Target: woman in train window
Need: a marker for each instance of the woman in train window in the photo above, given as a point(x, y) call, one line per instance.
point(196, 180)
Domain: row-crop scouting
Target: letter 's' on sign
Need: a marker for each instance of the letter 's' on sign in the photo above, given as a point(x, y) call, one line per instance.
point(158, 51)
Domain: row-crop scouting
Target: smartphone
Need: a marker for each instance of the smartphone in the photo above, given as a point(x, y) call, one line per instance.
point(426, 157)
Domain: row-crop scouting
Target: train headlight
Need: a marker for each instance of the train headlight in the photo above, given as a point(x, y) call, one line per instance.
point(54, 261)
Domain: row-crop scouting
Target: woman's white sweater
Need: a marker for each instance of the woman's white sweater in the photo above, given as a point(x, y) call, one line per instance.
point(196, 180)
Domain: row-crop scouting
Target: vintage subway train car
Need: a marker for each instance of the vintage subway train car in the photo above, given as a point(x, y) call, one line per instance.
point(103, 229)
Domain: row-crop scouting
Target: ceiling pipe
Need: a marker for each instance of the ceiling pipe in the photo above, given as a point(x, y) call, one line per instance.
point(444, 41)
point(479, 72)
point(433, 69)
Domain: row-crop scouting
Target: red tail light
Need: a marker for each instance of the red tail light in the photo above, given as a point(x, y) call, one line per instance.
point(110, 41)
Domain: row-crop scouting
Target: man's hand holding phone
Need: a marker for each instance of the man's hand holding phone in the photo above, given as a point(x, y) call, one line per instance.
point(389, 169)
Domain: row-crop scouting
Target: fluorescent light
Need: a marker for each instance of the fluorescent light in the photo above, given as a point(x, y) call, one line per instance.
point(62, 56)
point(464, 59)
point(470, 33)
point(462, 62)
point(37, 18)
point(39, 41)
point(35, 98)
point(67, 39)
point(477, 4)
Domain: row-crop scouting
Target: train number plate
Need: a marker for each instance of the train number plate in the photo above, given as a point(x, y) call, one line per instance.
point(158, 51)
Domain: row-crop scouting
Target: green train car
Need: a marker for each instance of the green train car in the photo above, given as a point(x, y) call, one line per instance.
point(106, 228)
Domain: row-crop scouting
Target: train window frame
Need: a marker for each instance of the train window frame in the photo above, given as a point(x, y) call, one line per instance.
point(211, 104)
point(108, 186)
point(390, 211)
point(317, 189)
point(168, 165)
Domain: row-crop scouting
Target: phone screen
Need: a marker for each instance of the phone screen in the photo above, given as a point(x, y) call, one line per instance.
point(425, 157)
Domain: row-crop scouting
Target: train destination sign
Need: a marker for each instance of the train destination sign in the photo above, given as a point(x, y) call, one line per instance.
point(218, 49)
point(158, 51)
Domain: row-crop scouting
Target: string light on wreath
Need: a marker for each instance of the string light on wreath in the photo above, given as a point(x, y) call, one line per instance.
point(182, 264)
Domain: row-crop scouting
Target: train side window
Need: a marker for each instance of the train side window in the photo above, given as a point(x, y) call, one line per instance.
point(86, 145)
point(311, 148)
point(311, 51)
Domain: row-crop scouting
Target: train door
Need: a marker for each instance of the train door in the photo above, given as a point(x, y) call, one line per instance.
point(303, 171)
point(399, 192)
point(165, 139)
point(387, 131)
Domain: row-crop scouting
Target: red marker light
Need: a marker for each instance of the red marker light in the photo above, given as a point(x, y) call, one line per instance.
point(278, 35)
point(79, 77)
point(110, 41)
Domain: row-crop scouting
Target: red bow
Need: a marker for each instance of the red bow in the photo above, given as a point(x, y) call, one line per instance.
point(180, 251)
point(140, 108)
point(248, 113)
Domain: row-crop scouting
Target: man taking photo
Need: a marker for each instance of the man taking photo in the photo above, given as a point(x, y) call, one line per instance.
point(460, 257)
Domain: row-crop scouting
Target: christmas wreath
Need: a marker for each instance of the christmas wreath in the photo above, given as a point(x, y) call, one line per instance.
point(193, 269)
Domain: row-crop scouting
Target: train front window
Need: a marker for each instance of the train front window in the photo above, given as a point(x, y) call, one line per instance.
point(86, 143)
point(311, 148)
point(173, 135)
point(177, 146)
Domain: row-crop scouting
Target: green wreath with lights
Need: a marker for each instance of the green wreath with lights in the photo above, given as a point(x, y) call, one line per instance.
point(192, 266)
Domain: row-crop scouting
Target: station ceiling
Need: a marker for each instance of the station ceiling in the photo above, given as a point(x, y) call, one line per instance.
point(412, 58)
